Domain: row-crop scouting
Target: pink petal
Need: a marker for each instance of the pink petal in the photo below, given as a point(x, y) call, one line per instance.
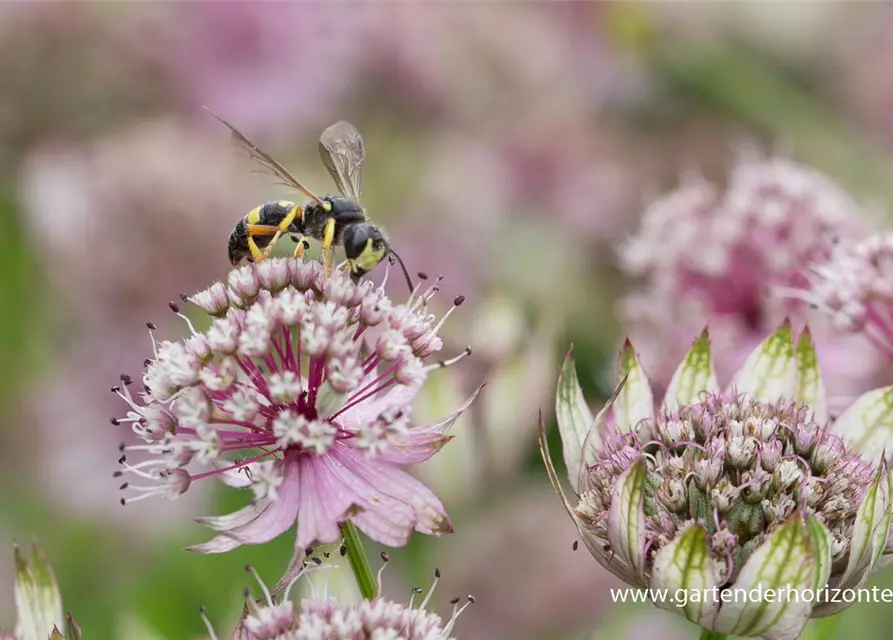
point(322, 509)
point(270, 521)
point(369, 410)
point(424, 441)
point(393, 521)
point(396, 483)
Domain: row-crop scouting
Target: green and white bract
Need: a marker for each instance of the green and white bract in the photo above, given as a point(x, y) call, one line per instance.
point(748, 488)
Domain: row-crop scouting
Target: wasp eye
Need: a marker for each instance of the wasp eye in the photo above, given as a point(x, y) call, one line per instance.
point(355, 240)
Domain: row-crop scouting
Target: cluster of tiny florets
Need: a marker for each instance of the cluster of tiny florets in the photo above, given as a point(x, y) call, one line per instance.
point(288, 352)
point(739, 467)
point(323, 617)
point(855, 286)
point(701, 250)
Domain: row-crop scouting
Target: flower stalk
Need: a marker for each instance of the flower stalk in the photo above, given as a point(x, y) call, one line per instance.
point(707, 634)
point(359, 561)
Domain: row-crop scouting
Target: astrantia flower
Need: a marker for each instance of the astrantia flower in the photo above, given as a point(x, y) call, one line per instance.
point(38, 603)
point(322, 617)
point(704, 253)
point(301, 390)
point(749, 487)
point(855, 287)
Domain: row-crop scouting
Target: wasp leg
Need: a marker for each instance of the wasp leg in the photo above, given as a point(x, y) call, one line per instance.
point(302, 245)
point(328, 237)
point(293, 214)
point(259, 230)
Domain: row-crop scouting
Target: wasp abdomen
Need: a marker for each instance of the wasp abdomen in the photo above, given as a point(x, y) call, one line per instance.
point(272, 213)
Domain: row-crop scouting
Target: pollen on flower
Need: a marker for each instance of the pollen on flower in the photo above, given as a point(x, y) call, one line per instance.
point(738, 465)
point(301, 389)
point(322, 617)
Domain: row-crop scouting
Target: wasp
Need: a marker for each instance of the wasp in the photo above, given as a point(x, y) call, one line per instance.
point(331, 220)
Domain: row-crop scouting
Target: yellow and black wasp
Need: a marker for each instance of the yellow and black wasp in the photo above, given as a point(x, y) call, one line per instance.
point(332, 220)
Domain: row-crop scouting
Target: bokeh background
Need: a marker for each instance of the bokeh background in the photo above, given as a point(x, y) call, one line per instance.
point(512, 148)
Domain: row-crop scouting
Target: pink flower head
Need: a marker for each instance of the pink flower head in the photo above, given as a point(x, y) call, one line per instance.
point(322, 617)
point(706, 254)
point(855, 287)
point(301, 390)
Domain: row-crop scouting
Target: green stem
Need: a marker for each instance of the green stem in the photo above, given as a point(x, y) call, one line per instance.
point(359, 563)
point(707, 634)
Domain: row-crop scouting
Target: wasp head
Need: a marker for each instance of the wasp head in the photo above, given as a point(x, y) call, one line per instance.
point(365, 246)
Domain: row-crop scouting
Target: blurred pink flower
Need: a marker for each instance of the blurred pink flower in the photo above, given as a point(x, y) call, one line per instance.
point(854, 286)
point(710, 257)
point(271, 67)
point(71, 70)
point(317, 444)
point(121, 226)
point(125, 223)
point(479, 63)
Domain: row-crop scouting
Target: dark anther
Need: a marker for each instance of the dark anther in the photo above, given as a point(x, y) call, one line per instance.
point(115, 421)
point(436, 572)
point(123, 486)
point(151, 326)
point(316, 561)
point(471, 598)
point(308, 551)
point(116, 389)
point(576, 545)
point(122, 446)
point(326, 555)
point(122, 459)
point(174, 306)
point(147, 362)
point(343, 550)
point(468, 351)
point(123, 502)
point(384, 556)
point(306, 244)
point(417, 590)
point(422, 275)
point(184, 297)
point(202, 609)
point(458, 300)
point(455, 600)
point(117, 474)
point(126, 379)
point(248, 568)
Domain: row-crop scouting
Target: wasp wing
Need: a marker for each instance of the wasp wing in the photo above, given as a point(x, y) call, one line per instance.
point(264, 159)
point(343, 152)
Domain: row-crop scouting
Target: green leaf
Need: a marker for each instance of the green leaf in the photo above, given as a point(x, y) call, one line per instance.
point(635, 402)
point(810, 388)
point(574, 419)
point(770, 371)
point(867, 425)
point(626, 518)
point(685, 564)
point(694, 375)
point(784, 561)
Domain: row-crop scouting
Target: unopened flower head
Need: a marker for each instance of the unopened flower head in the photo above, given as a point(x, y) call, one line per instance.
point(703, 253)
point(748, 487)
point(300, 389)
point(38, 602)
point(322, 617)
point(855, 287)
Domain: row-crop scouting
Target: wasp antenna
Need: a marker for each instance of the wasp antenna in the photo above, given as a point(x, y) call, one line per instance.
point(405, 271)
